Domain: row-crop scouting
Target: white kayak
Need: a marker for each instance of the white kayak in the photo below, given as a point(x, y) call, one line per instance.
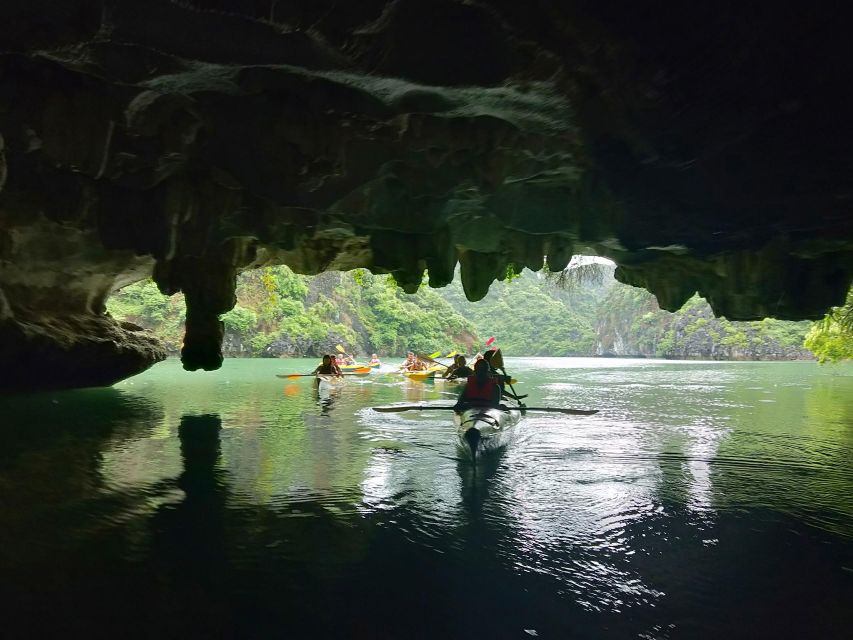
point(325, 384)
point(481, 429)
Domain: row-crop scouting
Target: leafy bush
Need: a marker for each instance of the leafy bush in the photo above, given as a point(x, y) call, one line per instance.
point(240, 320)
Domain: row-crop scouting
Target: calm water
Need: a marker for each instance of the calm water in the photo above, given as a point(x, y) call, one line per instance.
point(705, 500)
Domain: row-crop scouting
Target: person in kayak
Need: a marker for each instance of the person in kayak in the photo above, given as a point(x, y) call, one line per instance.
point(410, 360)
point(487, 357)
point(501, 379)
point(374, 359)
point(327, 368)
point(481, 389)
point(459, 369)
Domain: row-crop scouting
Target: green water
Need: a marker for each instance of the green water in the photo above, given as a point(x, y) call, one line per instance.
point(705, 500)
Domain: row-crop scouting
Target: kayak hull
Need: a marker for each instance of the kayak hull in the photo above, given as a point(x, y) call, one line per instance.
point(483, 429)
point(327, 384)
point(420, 376)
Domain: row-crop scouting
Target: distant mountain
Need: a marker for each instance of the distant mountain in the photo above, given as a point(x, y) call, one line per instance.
point(630, 323)
point(532, 316)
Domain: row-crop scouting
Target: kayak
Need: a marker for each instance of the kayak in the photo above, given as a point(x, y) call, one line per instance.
point(360, 371)
point(355, 367)
point(419, 375)
point(325, 384)
point(427, 374)
point(481, 429)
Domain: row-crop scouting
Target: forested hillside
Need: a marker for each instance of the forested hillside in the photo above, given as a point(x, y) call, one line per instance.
point(280, 313)
point(630, 323)
point(532, 316)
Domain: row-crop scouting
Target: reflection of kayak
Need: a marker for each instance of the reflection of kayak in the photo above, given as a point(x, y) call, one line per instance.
point(481, 429)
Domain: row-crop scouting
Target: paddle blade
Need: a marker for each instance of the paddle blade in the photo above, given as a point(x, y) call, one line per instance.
point(490, 341)
point(452, 354)
point(411, 407)
point(340, 348)
point(434, 355)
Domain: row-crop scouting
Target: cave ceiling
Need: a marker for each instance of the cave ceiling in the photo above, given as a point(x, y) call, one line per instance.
point(702, 148)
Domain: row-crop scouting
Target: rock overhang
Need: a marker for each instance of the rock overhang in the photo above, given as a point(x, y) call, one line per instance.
point(193, 140)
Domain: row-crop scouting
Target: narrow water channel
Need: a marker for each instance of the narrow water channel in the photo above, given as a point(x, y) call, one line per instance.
point(705, 500)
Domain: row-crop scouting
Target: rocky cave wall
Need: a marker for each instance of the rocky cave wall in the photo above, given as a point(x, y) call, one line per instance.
point(703, 148)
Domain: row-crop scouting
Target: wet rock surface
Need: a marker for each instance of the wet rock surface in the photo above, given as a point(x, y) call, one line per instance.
point(702, 148)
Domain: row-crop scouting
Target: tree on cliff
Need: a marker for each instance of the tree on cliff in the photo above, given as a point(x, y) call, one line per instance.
point(831, 339)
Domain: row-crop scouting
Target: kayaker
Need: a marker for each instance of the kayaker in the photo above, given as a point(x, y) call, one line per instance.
point(487, 357)
point(459, 369)
point(374, 359)
point(481, 389)
point(502, 379)
point(328, 367)
point(410, 360)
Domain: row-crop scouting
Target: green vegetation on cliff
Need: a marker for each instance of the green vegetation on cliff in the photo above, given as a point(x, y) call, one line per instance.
point(831, 339)
point(532, 316)
point(631, 323)
point(279, 312)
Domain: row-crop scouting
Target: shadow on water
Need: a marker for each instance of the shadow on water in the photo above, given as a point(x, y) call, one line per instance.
point(81, 418)
point(59, 516)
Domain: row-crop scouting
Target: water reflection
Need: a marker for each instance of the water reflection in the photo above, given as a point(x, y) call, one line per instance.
point(189, 546)
point(475, 481)
point(235, 504)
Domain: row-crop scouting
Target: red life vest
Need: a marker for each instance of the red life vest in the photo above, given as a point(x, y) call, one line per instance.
point(476, 391)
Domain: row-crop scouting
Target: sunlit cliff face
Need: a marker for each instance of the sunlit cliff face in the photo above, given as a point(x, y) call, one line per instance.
point(701, 148)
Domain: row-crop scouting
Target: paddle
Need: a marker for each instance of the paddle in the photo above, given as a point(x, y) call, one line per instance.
point(432, 359)
point(356, 372)
point(340, 349)
point(497, 362)
point(423, 407)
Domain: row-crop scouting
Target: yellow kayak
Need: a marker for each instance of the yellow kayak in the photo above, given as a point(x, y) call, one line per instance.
point(419, 375)
point(356, 368)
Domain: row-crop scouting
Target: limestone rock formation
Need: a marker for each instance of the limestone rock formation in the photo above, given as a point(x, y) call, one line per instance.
point(703, 148)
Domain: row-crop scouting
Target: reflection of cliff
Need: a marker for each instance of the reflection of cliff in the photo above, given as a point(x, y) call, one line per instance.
point(189, 537)
point(62, 521)
point(70, 431)
point(789, 447)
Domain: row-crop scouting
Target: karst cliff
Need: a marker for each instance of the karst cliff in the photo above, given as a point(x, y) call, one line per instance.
point(702, 148)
